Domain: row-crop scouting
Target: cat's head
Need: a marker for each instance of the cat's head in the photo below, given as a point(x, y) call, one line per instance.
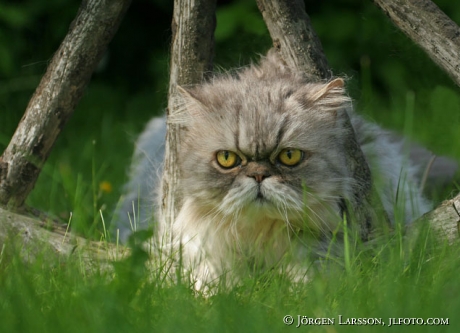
point(267, 144)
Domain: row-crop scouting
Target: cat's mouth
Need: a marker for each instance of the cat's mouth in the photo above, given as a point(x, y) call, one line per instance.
point(260, 198)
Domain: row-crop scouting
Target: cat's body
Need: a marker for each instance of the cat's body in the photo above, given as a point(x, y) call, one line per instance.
point(263, 171)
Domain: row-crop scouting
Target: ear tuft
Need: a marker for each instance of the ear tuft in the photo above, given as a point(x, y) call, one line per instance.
point(187, 106)
point(182, 90)
point(187, 96)
point(336, 83)
point(335, 86)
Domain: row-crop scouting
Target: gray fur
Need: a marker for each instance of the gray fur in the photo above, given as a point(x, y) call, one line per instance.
point(136, 206)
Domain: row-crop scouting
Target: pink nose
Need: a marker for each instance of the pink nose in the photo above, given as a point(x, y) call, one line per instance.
point(258, 176)
point(258, 171)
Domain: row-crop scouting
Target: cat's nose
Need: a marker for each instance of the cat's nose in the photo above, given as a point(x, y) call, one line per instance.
point(259, 176)
point(258, 171)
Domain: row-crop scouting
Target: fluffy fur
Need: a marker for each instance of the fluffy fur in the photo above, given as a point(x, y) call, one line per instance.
point(249, 217)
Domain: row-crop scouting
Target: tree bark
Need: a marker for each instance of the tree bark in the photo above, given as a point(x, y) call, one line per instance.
point(192, 53)
point(56, 97)
point(444, 219)
point(294, 38)
point(33, 237)
point(424, 23)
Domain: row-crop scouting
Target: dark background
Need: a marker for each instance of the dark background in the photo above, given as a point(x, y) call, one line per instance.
point(392, 81)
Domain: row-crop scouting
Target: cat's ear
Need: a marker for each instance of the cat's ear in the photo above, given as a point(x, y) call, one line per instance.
point(334, 87)
point(329, 96)
point(188, 106)
point(188, 97)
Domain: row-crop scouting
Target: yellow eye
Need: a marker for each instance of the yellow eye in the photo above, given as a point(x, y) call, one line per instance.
point(290, 156)
point(227, 158)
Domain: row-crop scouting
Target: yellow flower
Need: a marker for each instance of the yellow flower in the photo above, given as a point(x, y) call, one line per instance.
point(105, 186)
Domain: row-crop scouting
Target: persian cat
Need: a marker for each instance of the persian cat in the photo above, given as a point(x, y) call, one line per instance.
point(262, 170)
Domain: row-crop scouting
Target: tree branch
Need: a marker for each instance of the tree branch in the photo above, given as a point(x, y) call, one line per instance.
point(444, 219)
point(424, 23)
point(56, 97)
point(34, 236)
point(293, 36)
point(191, 60)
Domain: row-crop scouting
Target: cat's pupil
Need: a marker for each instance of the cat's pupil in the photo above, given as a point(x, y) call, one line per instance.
point(226, 154)
point(289, 154)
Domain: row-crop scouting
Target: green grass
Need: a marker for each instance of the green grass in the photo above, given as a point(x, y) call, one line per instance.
point(386, 280)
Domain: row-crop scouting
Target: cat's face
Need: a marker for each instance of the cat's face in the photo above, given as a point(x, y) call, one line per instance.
point(268, 150)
